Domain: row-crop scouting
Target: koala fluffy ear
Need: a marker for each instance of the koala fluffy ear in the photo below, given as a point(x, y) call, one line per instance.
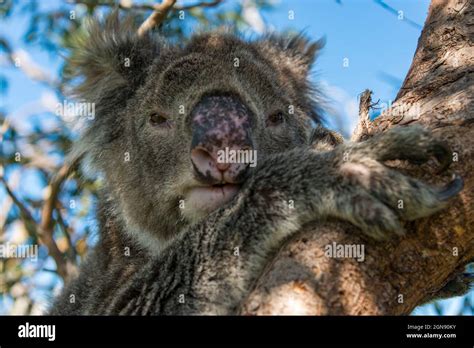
point(297, 52)
point(108, 57)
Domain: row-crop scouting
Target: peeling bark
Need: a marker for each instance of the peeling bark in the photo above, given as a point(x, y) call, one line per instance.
point(395, 277)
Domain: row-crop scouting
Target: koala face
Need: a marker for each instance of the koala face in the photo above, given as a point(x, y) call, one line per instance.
point(181, 131)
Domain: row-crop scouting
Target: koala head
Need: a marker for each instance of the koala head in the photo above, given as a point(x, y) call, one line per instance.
point(165, 114)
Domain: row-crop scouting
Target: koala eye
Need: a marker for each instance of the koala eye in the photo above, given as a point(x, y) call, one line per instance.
point(275, 119)
point(158, 120)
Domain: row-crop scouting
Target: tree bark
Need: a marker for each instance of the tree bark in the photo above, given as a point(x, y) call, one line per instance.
point(397, 276)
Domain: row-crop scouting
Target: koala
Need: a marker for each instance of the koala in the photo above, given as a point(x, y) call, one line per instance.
point(183, 231)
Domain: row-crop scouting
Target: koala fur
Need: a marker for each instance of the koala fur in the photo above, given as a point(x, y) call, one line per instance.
point(155, 257)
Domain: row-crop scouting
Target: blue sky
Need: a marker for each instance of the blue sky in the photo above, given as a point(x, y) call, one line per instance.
point(377, 44)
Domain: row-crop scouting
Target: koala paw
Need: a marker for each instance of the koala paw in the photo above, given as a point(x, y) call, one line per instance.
point(377, 198)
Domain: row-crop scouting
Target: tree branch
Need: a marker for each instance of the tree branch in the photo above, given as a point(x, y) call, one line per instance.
point(22, 60)
point(156, 17)
point(362, 128)
point(396, 13)
point(44, 230)
point(160, 11)
point(72, 253)
point(201, 4)
point(395, 277)
point(69, 267)
point(148, 7)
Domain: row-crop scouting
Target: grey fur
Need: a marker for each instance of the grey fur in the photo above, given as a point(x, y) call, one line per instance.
point(178, 265)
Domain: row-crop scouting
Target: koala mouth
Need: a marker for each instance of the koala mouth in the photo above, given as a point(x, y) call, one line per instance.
point(202, 200)
point(222, 185)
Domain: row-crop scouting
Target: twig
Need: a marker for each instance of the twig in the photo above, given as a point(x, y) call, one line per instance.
point(7, 203)
point(149, 7)
point(72, 253)
point(156, 17)
point(30, 223)
point(160, 11)
point(44, 230)
point(28, 66)
point(62, 266)
point(47, 221)
point(201, 4)
point(120, 5)
point(395, 12)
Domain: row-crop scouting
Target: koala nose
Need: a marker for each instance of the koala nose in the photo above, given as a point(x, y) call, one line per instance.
point(221, 146)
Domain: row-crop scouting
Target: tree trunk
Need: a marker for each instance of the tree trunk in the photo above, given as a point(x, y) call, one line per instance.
point(395, 277)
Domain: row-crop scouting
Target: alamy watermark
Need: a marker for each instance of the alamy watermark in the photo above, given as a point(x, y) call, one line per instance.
point(23, 251)
point(28, 330)
point(339, 251)
point(401, 109)
point(237, 156)
point(76, 109)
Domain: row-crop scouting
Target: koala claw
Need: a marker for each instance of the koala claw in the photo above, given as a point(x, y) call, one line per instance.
point(443, 155)
point(394, 196)
point(451, 189)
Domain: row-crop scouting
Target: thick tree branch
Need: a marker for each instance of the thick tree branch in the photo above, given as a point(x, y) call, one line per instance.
point(394, 277)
